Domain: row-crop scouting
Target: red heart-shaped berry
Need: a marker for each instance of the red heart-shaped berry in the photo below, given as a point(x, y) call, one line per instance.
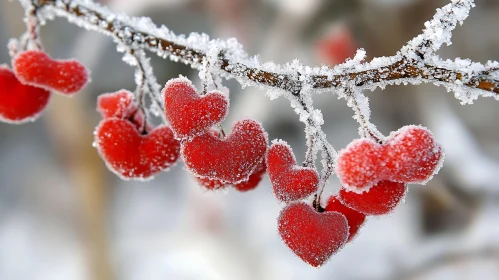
point(354, 218)
point(410, 155)
point(289, 181)
point(230, 160)
point(120, 105)
point(380, 199)
point(190, 114)
point(19, 103)
point(116, 104)
point(212, 184)
point(36, 68)
point(312, 236)
point(134, 156)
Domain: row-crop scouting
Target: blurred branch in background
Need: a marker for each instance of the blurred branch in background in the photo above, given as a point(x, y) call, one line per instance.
point(72, 137)
point(447, 259)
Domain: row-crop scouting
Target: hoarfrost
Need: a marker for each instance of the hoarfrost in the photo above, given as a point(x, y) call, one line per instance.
point(142, 33)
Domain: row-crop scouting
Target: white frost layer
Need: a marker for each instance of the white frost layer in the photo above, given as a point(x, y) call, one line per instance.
point(437, 32)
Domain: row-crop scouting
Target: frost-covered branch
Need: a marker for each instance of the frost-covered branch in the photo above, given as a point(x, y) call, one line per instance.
point(468, 79)
point(146, 82)
point(438, 31)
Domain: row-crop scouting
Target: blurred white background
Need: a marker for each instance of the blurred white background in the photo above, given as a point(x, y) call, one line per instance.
point(63, 215)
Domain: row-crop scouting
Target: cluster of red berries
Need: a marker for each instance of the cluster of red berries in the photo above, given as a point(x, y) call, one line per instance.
point(374, 180)
point(217, 161)
point(25, 90)
point(133, 149)
point(130, 146)
point(373, 175)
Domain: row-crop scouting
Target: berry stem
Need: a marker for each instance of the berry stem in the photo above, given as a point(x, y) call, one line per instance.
point(141, 89)
point(206, 76)
point(315, 132)
point(310, 154)
point(146, 84)
point(367, 129)
point(222, 132)
point(32, 26)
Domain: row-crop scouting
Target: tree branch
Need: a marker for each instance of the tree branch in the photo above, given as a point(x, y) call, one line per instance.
point(377, 73)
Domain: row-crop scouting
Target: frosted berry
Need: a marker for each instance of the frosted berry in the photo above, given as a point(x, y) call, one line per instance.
point(360, 164)
point(232, 159)
point(289, 181)
point(132, 155)
point(410, 155)
point(354, 218)
point(312, 236)
point(190, 114)
point(36, 68)
point(18, 102)
point(415, 154)
point(121, 105)
point(212, 184)
point(380, 199)
point(116, 104)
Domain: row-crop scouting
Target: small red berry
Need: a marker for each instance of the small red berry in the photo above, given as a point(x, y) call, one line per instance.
point(312, 236)
point(212, 184)
point(410, 155)
point(337, 46)
point(359, 165)
point(380, 199)
point(36, 68)
point(415, 154)
point(289, 181)
point(230, 160)
point(354, 218)
point(19, 103)
point(132, 155)
point(190, 114)
point(120, 105)
point(116, 104)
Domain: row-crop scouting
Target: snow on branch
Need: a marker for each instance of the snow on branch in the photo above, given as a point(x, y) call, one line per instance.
point(415, 63)
point(438, 31)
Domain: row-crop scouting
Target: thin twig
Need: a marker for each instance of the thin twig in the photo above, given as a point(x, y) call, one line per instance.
point(32, 27)
point(310, 154)
point(366, 130)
